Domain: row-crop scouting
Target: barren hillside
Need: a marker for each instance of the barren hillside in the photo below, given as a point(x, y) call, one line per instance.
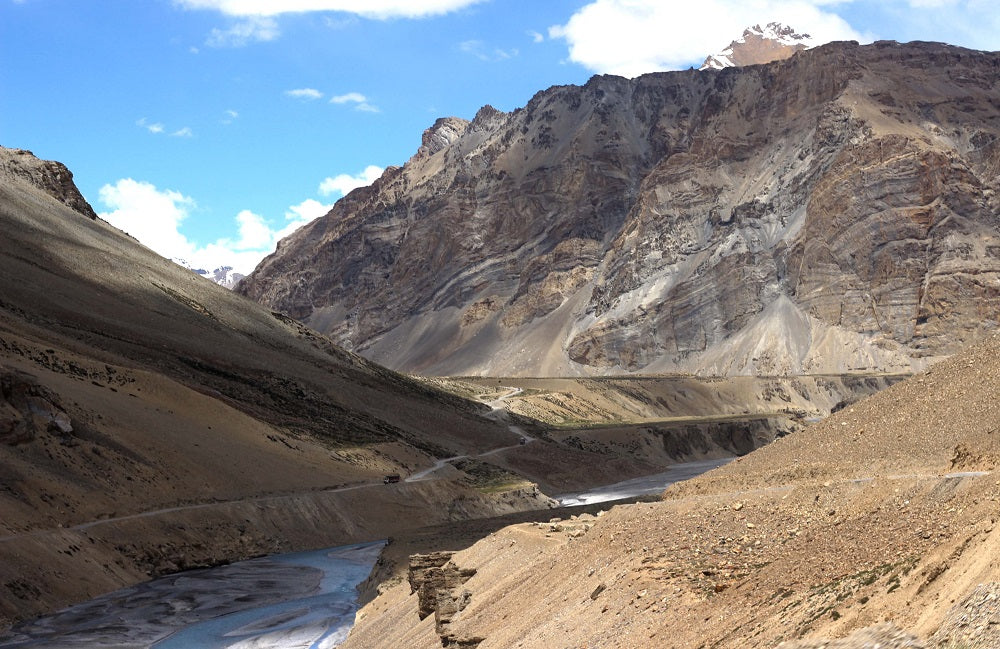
point(152, 421)
point(878, 523)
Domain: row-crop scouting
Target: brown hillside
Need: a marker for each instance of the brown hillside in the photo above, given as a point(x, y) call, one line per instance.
point(151, 420)
point(885, 512)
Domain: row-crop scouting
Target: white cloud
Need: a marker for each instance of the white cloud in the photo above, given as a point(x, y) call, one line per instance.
point(230, 117)
point(253, 231)
point(183, 132)
point(344, 183)
point(349, 97)
point(299, 215)
point(150, 215)
point(378, 9)
point(536, 37)
point(155, 217)
point(631, 37)
point(304, 93)
point(359, 101)
point(254, 29)
point(153, 127)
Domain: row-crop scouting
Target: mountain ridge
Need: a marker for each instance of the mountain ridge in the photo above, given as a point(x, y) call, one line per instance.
point(641, 225)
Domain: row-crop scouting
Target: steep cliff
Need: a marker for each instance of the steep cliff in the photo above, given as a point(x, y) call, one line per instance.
point(832, 212)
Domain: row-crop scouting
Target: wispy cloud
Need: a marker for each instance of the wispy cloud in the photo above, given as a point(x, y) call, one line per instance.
point(304, 93)
point(536, 37)
point(359, 101)
point(230, 116)
point(153, 127)
point(377, 9)
point(343, 184)
point(254, 29)
point(158, 128)
point(482, 51)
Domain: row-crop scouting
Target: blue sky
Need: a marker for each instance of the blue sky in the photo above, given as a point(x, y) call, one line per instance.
point(209, 128)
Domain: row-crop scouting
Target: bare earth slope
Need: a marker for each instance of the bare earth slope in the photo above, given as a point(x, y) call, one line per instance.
point(878, 523)
point(151, 420)
point(832, 212)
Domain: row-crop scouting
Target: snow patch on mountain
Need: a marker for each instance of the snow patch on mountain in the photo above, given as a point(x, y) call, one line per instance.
point(224, 276)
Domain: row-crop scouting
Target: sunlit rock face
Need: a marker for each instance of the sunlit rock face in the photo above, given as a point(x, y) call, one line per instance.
point(831, 212)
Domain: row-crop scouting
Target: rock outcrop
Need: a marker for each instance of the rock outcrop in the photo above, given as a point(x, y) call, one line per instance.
point(436, 582)
point(51, 177)
point(28, 409)
point(828, 213)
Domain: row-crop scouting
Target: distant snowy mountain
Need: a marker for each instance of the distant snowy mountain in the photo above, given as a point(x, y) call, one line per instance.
point(759, 45)
point(224, 276)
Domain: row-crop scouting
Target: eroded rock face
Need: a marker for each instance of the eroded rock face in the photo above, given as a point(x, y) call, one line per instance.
point(51, 177)
point(28, 409)
point(832, 212)
point(437, 583)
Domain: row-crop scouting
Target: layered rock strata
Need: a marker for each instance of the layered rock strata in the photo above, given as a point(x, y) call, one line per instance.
point(832, 212)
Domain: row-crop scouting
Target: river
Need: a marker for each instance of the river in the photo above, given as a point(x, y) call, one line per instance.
point(304, 600)
point(646, 485)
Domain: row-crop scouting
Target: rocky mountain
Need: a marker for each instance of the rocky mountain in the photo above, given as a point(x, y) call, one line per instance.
point(759, 45)
point(835, 211)
point(224, 276)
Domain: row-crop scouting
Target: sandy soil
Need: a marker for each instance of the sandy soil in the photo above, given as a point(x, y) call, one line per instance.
point(885, 512)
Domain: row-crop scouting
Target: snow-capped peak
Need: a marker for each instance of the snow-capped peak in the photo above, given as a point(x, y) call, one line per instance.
point(759, 45)
point(224, 276)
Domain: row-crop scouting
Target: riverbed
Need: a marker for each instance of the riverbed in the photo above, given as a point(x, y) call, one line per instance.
point(302, 600)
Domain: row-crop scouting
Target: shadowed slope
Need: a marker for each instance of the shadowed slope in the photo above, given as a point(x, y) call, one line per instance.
point(152, 421)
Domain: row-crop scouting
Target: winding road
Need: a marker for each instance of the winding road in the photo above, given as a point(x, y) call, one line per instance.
point(498, 413)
